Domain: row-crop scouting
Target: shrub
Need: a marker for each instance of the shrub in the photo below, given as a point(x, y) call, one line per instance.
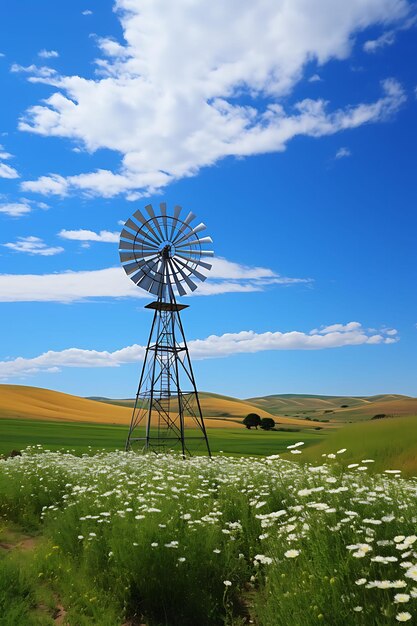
point(252, 419)
point(267, 423)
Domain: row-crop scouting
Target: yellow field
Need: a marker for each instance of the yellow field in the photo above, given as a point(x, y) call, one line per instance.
point(390, 405)
point(36, 403)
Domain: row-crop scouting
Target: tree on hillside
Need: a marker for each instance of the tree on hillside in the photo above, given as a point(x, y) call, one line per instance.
point(267, 423)
point(252, 419)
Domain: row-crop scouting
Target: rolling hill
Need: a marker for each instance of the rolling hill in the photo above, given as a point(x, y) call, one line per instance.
point(19, 401)
point(337, 408)
point(215, 407)
point(299, 411)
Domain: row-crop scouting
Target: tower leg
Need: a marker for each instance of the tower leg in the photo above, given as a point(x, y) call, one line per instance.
point(167, 411)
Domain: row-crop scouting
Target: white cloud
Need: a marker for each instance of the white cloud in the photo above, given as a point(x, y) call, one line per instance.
point(166, 128)
point(315, 78)
point(15, 209)
point(225, 277)
point(89, 235)
point(48, 54)
point(4, 154)
point(336, 328)
point(389, 36)
point(87, 12)
point(342, 153)
point(212, 347)
point(8, 172)
point(33, 245)
point(38, 74)
point(386, 39)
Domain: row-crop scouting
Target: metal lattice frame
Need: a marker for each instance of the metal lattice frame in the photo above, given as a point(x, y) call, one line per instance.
point(162, 254)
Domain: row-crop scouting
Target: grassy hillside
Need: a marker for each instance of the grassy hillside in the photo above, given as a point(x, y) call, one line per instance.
point(337, 408)
point(392, 406)
point(18, 401)
point(213, 405)
point(296, 403)
point(392, 443)
point(218, 406)
point(35, 403)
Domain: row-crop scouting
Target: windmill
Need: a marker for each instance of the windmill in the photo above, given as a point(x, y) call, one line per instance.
point(162, 253)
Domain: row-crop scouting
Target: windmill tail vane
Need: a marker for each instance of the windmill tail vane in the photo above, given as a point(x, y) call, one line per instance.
point(163, 253)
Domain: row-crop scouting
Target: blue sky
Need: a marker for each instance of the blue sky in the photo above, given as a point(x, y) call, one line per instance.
point(290, 130)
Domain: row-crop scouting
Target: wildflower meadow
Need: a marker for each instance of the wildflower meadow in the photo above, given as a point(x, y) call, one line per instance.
point(130, 539)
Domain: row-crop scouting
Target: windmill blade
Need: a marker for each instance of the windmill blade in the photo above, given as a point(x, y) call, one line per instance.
point(207, 253)
point(178, 285)
point(148, 274)
point(137, 276)
point(131, 224)
point(154, 220)
point(186, 279)
point(138, 216)
point(145, 282)
point(125, 256)
point(158, 284)
point(177, 211)
point(139, 251)
point(163, 208)
point(156, 288)
point(131, 267)
point(146, 244)
point(184, 225)
point(151, 284)
point(192, 270)
point(206, 266)
point(197, 241)
point(192, 232)
point(126, 235)
point(126, 245)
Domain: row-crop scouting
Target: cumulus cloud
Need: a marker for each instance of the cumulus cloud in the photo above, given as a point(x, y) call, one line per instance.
point(48, 54)
point(21, 207)
point(8, 172)
point(34, 246)
point(166, 128)
point(89, 235)
point(15, 209)
point(342, 153)
point(214, 346)
point(226, 277)
point(87, 12)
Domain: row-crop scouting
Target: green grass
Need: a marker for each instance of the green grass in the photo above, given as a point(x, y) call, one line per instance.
point(390, 442)
point(86, 437)
point(157, 541)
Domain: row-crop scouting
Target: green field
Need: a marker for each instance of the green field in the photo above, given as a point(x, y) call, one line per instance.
point(391, 443)
point(85, 437)
point(120, 539)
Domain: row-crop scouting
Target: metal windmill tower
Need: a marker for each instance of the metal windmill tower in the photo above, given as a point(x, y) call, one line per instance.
point(162, 254)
